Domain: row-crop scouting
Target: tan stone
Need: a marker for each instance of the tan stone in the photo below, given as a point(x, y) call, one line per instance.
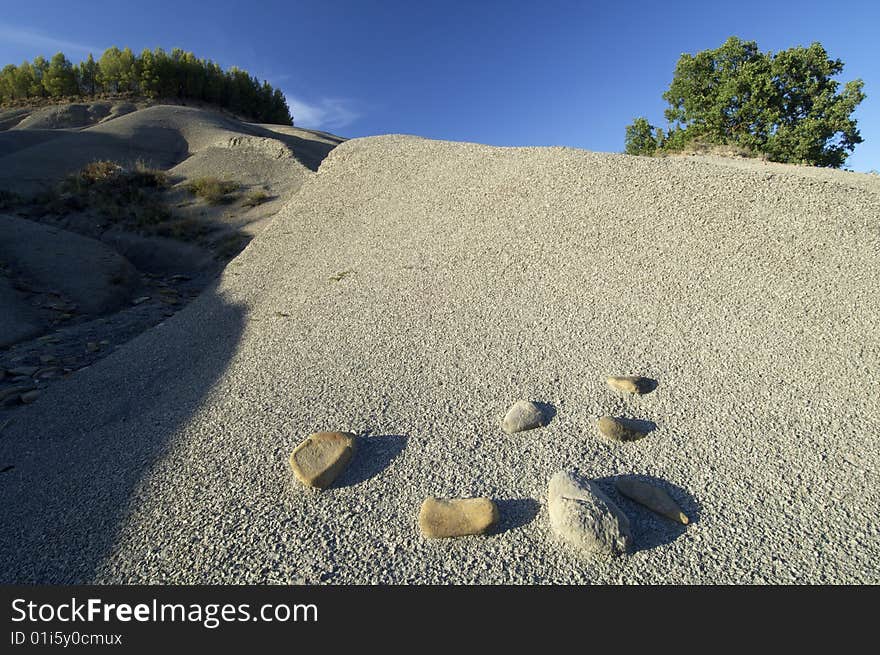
point(319, 460)
point(651, 497)
point(617, 430)
point(457, 517)
point(629, 384)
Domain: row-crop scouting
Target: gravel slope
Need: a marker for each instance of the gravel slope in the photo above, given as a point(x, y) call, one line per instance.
point(479, 276)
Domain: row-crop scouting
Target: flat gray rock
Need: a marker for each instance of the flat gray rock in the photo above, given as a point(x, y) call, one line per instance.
point(523, 415)
point(583, 516)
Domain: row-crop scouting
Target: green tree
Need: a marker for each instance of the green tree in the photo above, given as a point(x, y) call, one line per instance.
point(113, 70)
point(60, 79)
point(640, 139)
point(7, 82)
point(23, 82)
point(40, 67)
point(784, 105)
point(87, 75)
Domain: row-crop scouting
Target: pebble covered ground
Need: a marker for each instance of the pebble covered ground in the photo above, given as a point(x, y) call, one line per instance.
point(412, 292)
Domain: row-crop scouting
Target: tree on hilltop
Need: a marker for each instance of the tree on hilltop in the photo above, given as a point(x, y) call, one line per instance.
point(154, 73)
point(60, 78)
point(786, 105)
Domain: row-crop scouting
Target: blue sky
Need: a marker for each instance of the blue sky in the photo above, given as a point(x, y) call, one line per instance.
point(503, 73)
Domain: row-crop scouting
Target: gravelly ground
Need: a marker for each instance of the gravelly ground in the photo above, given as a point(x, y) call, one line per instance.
point(477, 276)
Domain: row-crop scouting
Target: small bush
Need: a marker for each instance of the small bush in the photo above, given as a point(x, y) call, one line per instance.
point(8, 199)
point(255, 198)
point(212, 189)
point(128, 196)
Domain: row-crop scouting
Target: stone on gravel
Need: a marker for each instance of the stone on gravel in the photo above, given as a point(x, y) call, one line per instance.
point(616, 430)
point(138, 301)
point(523, 415)
point(319, 460)
point(30, 396)
point(457, 517)
point(93, 347)
point(583, 516)
point(630, 384)
point(24, 370)
point(651, 497)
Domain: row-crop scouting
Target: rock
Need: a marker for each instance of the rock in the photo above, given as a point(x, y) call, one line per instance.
point(47, 372)
point(524, 415)
point(48, 359)
point(630, 384)
point(93, 347)
point(619, 430)
point(319, 459)
point(457, 517)
point(583, 516)
point(30, 396)
point(138, 301)
point(23, 370)
point(169, 300)
point(49, 338)
point(651, 497)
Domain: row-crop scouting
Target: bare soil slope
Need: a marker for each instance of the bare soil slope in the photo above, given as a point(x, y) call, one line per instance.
point(410, 292)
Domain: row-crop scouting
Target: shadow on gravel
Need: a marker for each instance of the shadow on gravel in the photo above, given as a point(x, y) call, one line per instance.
point(81, 451)
point(647, 385)
point(548, 411)
point(374, 454)
point(650, 529)
point(516, 512)
point(639, 425)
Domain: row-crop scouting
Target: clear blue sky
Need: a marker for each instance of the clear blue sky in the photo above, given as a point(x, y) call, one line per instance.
point(505, 73)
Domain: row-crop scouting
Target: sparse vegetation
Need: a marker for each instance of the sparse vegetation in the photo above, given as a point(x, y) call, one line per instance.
point(213, 189)
point(255, 198)
point(118, 194)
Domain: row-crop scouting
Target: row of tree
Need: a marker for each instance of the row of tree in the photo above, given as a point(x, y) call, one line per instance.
point(785, 106)
point(155, 74)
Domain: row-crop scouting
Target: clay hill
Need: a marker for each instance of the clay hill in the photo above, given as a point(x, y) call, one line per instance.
point(177, 321)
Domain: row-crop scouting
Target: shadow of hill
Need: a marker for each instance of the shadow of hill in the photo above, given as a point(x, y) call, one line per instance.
point(310, 153)
point(81, 451)
point(44, 164)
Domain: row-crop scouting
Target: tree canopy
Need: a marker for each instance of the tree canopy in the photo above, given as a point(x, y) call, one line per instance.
point(785, 106)
point(154, 73)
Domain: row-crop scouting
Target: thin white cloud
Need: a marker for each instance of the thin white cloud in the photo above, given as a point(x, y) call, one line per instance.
point(43, 44)
point(322, 114)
